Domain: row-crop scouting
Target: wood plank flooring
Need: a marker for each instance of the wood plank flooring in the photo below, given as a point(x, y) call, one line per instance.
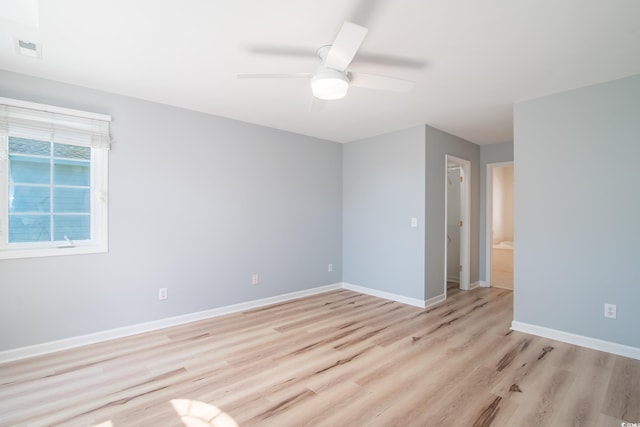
point(334, 359)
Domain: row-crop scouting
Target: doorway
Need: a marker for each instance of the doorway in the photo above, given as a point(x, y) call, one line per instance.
point(457, 254)
point(500, 238)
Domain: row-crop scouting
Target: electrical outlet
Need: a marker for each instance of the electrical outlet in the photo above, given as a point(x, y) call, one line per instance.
point(610, 311)
point(254, 279)
point(162, 293)
point(414, 222)
point(330, 268)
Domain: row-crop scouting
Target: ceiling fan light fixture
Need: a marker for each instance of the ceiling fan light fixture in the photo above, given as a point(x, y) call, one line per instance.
point(329, 84)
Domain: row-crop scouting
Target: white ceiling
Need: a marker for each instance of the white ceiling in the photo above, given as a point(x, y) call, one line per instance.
point(471, 59)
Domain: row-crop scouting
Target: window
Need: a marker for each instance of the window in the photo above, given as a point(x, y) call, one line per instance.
point(53, 180)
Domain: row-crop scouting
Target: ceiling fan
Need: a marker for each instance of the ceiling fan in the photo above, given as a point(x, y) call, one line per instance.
point(331, 80)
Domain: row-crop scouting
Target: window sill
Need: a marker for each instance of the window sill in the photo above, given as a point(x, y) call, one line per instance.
point(46, 252)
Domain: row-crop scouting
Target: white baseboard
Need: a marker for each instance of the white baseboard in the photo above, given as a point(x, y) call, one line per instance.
point(386, 295)
point(93, 338)
point(481, 284)
point(73, 342)
point(82, 340)
point(435, 300)
point(474, 285)
point(594, 343)
point(455, 279)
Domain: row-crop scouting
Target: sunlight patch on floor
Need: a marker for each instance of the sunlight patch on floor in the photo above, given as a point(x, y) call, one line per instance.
point(194, 413)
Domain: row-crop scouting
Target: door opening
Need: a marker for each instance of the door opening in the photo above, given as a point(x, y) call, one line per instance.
point(457, 253)
point(500, 238)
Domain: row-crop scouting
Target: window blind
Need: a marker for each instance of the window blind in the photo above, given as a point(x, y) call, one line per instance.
point(41, 122)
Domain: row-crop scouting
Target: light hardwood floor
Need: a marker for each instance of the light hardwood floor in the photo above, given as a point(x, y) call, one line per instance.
point(335, 359)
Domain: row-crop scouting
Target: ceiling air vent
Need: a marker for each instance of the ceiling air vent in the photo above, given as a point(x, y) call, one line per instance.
point(28, 48)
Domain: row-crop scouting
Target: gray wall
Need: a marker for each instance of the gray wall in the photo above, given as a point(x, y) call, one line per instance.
point(384, 187)
point(438, 145)
point(386, 179)
point(197, 204)
point(494, 153)
point(577, 209)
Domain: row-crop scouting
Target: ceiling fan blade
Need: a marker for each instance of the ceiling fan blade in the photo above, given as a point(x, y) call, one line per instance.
point(365, 59)
point(286, 51)
point(345, 46)
point(274, 76)
point(374, 81)
point(316, 105)
point(366, 11)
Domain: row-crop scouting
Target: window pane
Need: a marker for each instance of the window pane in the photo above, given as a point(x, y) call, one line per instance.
point(71, 151)
point(29, 199)
point(29, 228)
point(71, 172)
point(29, 170)
point(71, 200)
point(54, 181)
point(29, 146)
point(75, 227)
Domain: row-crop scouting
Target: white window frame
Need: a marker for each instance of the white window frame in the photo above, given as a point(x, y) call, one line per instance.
point(99, 196)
